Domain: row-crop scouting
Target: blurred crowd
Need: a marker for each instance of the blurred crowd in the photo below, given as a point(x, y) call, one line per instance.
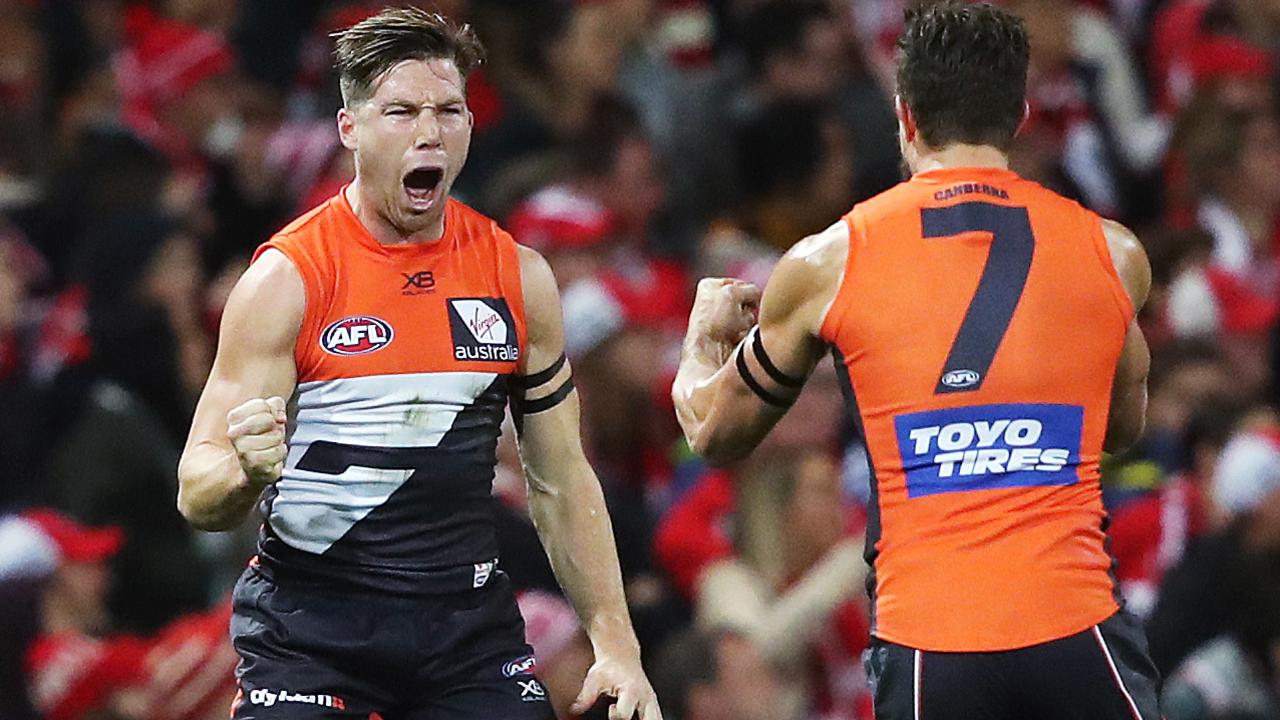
point(146, 148)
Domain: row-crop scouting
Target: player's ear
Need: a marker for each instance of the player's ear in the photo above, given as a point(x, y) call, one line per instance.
point(347, 128)
point(1026, 118)
point(905, 119)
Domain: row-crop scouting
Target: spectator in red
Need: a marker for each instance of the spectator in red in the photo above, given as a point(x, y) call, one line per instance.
point(73, 672)
point(571, 229)
point(1193, 40)
point(76, 670)
point(615, 163)
point(188, 672)
point(1234, 163)
point(175, 81)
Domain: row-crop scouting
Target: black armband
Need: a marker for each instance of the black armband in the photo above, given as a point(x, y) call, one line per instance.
point(765, 395)
point(783, 379)
point(520, 406)
point(542, 404)
point(542, 377)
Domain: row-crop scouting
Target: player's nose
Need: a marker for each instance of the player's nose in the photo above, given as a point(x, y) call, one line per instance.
point(428, 131)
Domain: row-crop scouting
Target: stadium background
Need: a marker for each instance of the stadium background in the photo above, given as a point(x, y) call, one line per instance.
point(147, 148)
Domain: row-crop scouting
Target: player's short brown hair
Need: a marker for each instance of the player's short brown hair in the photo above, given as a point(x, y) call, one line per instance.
point(367, 50)
point(962, 70)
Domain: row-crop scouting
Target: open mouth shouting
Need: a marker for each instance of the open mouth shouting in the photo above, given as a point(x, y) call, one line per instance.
point(422, 185)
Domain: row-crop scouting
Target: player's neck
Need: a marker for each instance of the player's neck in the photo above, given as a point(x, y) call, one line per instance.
point(382, 230)
point(960, 156)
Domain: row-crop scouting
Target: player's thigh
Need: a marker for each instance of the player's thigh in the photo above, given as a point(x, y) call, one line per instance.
point(278, 681)
point(909, 684)
point(1103, 673)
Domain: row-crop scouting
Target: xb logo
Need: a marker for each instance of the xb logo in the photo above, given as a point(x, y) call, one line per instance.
point(418, 283)
point(531, 690)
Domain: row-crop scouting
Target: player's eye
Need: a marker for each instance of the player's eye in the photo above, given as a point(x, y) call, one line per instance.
point(398, 110)
point(452, 110)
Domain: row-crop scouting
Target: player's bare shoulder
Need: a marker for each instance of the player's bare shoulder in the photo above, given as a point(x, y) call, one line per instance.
point(541, 310)
point(267, 304)
point(807, 278)
point(1130, 260)
point(538, 285)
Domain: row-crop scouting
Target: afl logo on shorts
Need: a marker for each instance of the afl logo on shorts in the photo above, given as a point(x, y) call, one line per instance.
point(520, 666)
point(961, 378)
point(356, 335)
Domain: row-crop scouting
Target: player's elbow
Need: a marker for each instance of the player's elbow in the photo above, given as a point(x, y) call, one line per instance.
point(195, 506)
point(197, 514)
point(716, 451)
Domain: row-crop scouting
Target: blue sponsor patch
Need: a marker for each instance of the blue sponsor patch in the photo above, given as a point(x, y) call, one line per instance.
point(983, 447)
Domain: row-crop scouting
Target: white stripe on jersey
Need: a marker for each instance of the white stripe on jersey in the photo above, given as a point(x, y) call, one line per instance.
point(312, 511)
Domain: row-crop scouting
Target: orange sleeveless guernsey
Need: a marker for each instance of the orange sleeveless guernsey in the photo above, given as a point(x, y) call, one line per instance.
point(978, 326)
point(405, 359)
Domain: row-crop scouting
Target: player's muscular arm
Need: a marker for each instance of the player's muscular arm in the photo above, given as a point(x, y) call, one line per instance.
point(237, 444)
point(567, 504)
point(1129, 391)
point(734, 383)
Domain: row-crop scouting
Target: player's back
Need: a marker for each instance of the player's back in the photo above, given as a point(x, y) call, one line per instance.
point(980, 320)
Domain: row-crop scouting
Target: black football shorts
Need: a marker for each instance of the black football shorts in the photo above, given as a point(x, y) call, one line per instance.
point(310, 652)
point(1102, 673)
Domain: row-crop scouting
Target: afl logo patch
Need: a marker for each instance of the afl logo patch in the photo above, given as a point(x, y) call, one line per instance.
point(961, 378)
point(356, 335)
point(520, 666)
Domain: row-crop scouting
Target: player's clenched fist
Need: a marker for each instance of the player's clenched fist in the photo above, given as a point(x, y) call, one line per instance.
point(724, 309)
point(256, 429)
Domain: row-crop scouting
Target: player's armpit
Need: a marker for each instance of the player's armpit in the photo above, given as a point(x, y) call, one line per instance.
point(256, 341)
point(726, 398)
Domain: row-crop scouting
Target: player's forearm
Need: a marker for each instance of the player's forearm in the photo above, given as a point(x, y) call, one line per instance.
point(574, 526)
point(694, 390)
point(214, 493)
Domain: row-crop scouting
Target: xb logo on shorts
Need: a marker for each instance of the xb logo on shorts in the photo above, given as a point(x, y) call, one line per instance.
point(532, 691)
point(482, 329)
point(267, 698)
point(356, 335)
point(984, 447)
